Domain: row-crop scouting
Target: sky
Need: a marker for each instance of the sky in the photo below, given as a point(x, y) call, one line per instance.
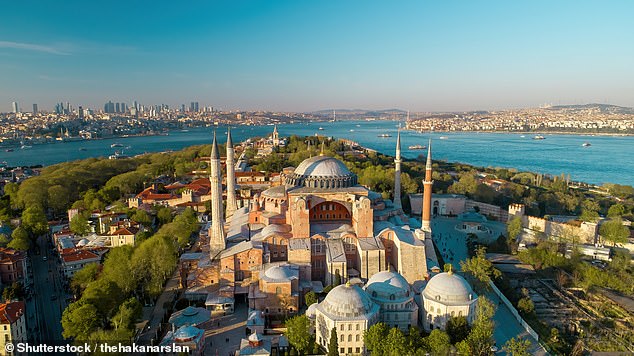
point(312, 55)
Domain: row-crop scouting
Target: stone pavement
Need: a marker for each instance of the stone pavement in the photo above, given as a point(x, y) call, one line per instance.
point(171, 288)
point(226, 332)
point(452, 244)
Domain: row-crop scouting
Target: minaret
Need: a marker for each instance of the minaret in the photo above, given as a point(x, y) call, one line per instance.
point(217, 232)
point(397, 172)
point(275, 137)
point(231, 177)
point(427, 184)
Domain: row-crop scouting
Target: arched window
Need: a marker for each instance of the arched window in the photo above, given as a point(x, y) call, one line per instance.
point(392, 297)
point(349, 337)
point(342, 338)
point(357, 338)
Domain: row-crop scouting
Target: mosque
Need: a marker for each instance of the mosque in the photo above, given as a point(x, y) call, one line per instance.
point(320, 227)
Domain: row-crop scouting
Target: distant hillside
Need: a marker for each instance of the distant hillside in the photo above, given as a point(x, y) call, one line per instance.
point(606, 108)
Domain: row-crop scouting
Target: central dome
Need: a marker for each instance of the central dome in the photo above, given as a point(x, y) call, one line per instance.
point(449, 288)
point(322, 172)
point(348, 301)
point(388, 285)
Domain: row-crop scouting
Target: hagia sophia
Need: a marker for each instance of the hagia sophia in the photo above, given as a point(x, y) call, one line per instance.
point(321, 228)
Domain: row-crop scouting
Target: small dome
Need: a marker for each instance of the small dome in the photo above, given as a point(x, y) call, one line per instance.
point(449, 288)
point(83, 242)
point(281, 273)
point(190, 311)
point(186, 333)
point(310, 312)
point(388, 285)
point(322, 172)
point(255, 337)
point(348, 301)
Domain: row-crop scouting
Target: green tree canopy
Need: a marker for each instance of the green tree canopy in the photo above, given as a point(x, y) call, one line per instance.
point(298, 334)
point(310, 298)
point(480, 269)
point(83, 277)
point(614, 231)
point(374, 338)
point(34, 220)
point(438, 342)
point(79, 320)
point(333, 344)
point(20, 239)
point(79, 224)
point(458, 328)
point(517, 347)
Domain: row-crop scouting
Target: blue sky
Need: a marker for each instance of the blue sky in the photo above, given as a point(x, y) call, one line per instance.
point(311, 55)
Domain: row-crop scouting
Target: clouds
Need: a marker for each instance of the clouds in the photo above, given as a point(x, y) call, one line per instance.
point(32, 47)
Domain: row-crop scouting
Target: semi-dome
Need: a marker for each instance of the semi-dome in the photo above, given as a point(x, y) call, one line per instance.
point(186, 333)
point(310, 312)
point(449, 288)
point(388, 285)
point(347, 302)
point(322, 172)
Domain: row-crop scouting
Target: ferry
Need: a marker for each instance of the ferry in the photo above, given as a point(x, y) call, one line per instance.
point(539, 137)
point(417, 147)
point(384, 135)
point(586, 144)
point(116, 145)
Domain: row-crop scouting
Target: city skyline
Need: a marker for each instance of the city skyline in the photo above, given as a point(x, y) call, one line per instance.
point(311, 56)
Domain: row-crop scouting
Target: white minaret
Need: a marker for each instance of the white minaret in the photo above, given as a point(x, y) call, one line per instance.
point(231, 177)
point(217, 232)
point(397, 172)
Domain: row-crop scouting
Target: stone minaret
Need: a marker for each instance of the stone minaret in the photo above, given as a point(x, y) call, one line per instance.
point(427, 184)
point(231, 177)
point(217, 232)
point(397, 172)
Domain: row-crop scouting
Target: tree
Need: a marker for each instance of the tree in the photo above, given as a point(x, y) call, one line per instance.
point(298, 334)
point(589, 210)
point(458, 328)
point(438, 342)
point(79, 320)
point(310, 298)
point(614, 231)
point(105, 295)
point(34, 220)
point(517, 347)
point(20, 239)
point(620, 260)
point(616, 210)
point(480, 268)
point(79, 224)
point(129, 312)
point(525, 306)
point(83, 277)
point(14, 291)
point(333, 344)
point(58, 198)
point(164, 215)
point(396, 342)
point(374, 338)
point(142, 217)
point(480, 338)
point(4, 240)
point(514, 228)
point(116, 268)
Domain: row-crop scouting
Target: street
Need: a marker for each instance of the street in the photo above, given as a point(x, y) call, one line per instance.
point(49, 297)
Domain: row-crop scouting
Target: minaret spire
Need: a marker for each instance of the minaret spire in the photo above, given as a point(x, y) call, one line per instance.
point(216, 232)
point(231, 177)
point(397, 171)
point(427, 184)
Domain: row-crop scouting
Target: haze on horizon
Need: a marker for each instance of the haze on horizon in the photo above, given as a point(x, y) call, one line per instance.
point(313, 55)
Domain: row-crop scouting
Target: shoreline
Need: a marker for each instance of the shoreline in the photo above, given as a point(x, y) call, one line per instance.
point(610, 134)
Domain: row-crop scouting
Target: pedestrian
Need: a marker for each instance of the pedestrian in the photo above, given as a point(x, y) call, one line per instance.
point(227, 340)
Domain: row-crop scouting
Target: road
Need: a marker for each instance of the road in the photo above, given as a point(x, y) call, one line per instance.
point(49, 298)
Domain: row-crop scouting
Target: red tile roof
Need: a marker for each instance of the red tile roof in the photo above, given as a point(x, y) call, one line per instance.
point(11, 312)
point(78, 255)
point(126, 231)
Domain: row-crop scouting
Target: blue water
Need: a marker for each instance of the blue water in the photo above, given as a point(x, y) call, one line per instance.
point(609, 159)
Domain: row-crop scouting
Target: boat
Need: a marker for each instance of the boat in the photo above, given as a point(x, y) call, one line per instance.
point(321, 128)
point(417, 147)
point(358, 125)
point(384, 135)
point(522, 136)
point(83, 149)
point(116, 145)
point(26, 147)
point(539, 137)
point(443, 137)
point(9, 150)
point(586, 144)
point(351, 130)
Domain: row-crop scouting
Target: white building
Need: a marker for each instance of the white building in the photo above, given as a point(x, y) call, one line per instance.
point(349, 310)
point(395, 298)
point(447, 295)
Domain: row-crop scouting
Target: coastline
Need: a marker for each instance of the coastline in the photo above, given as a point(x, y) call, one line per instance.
point(609, 134)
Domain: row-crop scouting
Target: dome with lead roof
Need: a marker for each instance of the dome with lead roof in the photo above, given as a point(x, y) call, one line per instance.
point(449, 288)
point(348, 302)
point(388, 285)
point(322, 172)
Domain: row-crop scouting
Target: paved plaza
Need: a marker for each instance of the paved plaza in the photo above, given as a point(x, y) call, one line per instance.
point(451, 242)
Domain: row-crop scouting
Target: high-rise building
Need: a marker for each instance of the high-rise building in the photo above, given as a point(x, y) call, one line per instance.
point(35, 108)
point(193, 106)
point(15, 107)
point(81, 112)
point(108, 108)
point(117, 108)
point(182, 108)
point(123, 107)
